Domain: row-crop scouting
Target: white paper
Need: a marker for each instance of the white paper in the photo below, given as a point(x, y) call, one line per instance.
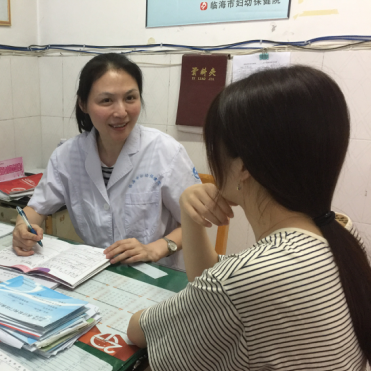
point(149, 270)
point(245, 65)
point(118, 298)
point(74, 359)
point(10, 340)
point(9, 364)
point(5, 229)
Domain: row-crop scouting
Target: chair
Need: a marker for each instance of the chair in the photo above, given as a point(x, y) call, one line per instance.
point(222, 233)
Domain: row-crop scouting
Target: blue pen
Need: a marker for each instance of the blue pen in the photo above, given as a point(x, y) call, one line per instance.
point(24, 217)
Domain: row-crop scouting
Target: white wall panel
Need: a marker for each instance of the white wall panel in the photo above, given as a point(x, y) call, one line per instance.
point(25, 86)
point(6, 101)
point(51, 86)
point(28, 141)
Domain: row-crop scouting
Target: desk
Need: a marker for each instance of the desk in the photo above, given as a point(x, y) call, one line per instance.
point(174, 281)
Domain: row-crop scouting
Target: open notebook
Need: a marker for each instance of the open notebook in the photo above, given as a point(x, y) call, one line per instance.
point(59, 261)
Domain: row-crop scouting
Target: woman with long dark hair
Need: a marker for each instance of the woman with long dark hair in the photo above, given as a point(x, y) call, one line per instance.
point(299, 299)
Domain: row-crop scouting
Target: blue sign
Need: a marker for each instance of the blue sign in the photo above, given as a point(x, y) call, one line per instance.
point(162, 13)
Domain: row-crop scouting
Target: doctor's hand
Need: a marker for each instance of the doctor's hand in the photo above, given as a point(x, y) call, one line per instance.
point(24, 240)
point(131, 251)
point(205, 206)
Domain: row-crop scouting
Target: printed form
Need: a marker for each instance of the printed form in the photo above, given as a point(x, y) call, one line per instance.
point(245, 65)
point(5, 229)
point(75, 359)
point(118, 298)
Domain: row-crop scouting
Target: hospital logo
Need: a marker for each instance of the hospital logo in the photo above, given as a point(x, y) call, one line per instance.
point(109, 343)
point(203, 5)
point(195, 173)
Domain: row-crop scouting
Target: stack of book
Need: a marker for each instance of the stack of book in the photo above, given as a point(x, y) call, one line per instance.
point(42, 320)
point(17, 188)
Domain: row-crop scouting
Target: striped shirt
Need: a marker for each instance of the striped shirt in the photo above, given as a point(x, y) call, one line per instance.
point(106, 171)
point(277, 306)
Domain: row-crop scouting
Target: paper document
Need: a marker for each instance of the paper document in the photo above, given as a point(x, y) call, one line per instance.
point(9, 364)
point(74, 359)
point(35, 305)
point(58, 260)
point(118, 298)
point(149, 270)
point(5, 229)
point(245, 65)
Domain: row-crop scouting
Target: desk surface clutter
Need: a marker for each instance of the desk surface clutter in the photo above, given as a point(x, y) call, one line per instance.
point(118, 292)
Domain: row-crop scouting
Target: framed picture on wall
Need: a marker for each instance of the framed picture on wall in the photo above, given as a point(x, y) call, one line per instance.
point(161, 13)
point(5, 19)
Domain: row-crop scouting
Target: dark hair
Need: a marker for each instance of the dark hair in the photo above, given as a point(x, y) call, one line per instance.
point(95, 69)
point(290, 127)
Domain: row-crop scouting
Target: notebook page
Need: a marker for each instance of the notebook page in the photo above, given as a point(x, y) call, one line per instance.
point(5, 229)
point(74, 359)
point(118, 298)
point(75, 263)
point(52, 247)
point(9, 364)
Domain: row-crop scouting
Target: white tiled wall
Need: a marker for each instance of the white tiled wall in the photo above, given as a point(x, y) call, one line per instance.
point(20, 126)
point(37, 97)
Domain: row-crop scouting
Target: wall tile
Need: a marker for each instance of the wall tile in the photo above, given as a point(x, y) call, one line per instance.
point(183, 136)
point(70, 128)
point(7, 140)
point(25, 86)
point(155, 87)
point(51, 83)
point(352, 72)
point(72, 67)
point(174, 87)
point(313, 59)
point(28, 141)
point(154, 126)
point(52, 131)
point(351, 195)
point(6, 102)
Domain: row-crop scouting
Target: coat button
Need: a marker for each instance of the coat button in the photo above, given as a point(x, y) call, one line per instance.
point(106, 207)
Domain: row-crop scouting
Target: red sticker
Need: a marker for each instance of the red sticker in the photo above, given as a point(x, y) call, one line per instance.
point(203, 5)
point(112, 344)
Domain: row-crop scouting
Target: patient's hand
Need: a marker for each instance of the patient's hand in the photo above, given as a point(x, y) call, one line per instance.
point(205, 206)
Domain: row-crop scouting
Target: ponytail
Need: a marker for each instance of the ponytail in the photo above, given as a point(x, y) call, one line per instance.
point(355, 276)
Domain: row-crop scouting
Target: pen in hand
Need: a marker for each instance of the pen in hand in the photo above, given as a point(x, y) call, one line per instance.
point(24, 217)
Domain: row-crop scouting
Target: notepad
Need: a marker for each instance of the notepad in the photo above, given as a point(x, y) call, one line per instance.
point(59, 261)
point(5, 229)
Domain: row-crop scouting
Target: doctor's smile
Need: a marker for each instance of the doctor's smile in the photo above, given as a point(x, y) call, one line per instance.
point(114, 106)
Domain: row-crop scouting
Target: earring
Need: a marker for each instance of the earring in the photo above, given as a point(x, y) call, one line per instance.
point(238, 186)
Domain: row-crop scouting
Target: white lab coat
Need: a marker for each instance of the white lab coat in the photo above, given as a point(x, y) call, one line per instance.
point(141, 199)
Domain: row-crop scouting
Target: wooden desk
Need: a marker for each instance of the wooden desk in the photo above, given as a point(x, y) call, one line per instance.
point(59, 224)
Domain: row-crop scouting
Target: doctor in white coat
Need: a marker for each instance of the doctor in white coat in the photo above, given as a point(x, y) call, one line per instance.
point(121, 182)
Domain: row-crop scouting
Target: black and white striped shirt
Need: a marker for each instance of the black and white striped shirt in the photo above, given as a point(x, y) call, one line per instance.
point(277, 306)
point(106, 171)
